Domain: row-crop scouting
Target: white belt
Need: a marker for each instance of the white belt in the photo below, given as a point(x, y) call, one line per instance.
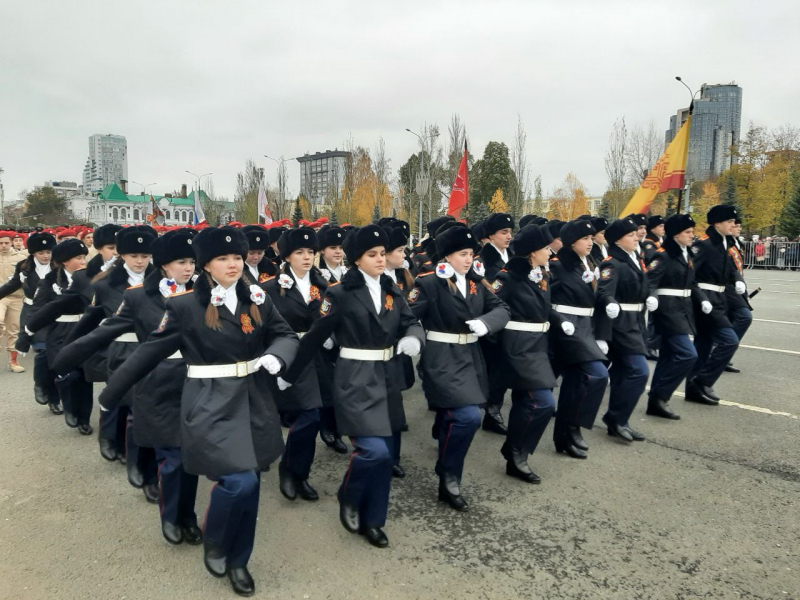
point(532, 327)
point(68, 319)
point(359, 354)
point(127, 337)
point(175, 355)
point(632, 307)
point(678, 293)
point(239, 369)
point(27, 301)
point(711, 287)
point(451, 338)
point(573, 310)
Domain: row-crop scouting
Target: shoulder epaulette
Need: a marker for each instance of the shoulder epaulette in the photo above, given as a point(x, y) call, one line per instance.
point(504, 270)
point(424, 274)
point(554, 258)
point(703, 237)
point(335, 283)
point(607, 258)
point(138, 285)
point(427, 262)
point(661, 250)
point(181, 293)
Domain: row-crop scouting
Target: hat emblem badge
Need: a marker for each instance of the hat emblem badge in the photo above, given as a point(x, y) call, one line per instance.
point(376, 234)
point(305, 237)
point(140, 240)
point(469, 235)
point(227, 238)
point(258, 239)
point(189, 242)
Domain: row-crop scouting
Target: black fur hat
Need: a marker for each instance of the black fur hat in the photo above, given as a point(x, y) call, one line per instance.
point(638, 218)
point(105, 235)
point(135, 240)
point(331, 236)
point(454, 239)
point(397, 238)
point(678, 223)
point(720, 213)
point(498, 221)
point(398, 224)
point(173, 245)
point(620, 228)
point(361, 239)
point(41, 241)
point(555, 226)
point(257, 237)
point(575, 230)
point(218, 241)
point(275, 234)
point(599, 224)
point(654, 222)
point(68, 249)
point(479, 230)
point(294, 239)
point(433, 226)
point(530, 239)
point(526, 220)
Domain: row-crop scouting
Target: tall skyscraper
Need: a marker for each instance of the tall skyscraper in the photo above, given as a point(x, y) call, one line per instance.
point(716, 127)
point(321, 173)
point(107, 162)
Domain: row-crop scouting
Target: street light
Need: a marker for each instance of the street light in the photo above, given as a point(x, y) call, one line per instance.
point(144, 187)
point(426, 178)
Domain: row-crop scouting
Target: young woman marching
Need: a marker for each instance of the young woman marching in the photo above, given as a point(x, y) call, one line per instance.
point(60, 300)
point(524, 364)
point(580, 357)
point(156, 401)
point(297, 293)
point(331, 265)
point(368, 317)
point(623, 281)
point(104, 240)
point(129, 269)
point(259, 267)
point(226, 329)
point(27, 275)
point(455, 309)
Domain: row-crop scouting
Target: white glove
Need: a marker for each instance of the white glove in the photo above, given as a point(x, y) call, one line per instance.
point(612, 310)
point(28, 331)
point(477, 327)
point(603, 346)
point(568, 327)
point(706, 307)
point(741, 288)
point(651, 303)
point(409, 346)
point(270, 363)
point(328, 344)
point(283, 384)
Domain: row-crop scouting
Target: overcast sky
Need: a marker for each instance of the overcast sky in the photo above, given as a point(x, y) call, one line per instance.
point(204, 85)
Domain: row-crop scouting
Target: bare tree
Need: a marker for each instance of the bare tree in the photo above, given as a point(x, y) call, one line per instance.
point(538, 199)
point(786, 137)
point(519, 165)
point(617, 169)
point(643, 149)
point(383, 172)
point(245, 201)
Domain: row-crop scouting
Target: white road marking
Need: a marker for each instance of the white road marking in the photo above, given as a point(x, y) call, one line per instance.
point(782, 322)
point(759, 409)
point(769, 349)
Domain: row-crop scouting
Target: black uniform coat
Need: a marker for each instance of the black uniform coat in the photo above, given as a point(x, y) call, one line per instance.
point(25, 277)
point(157, 397)
point(669, 270)
point(597, 253)
point(650, 245)
point(493, 263)
point(568, 288)
point(525, 364)
point(228, 424)
point(454, 375)
point(266, 270)
point(714, 265)
point(736, 300)
point(305, 393)
point(48, 305)
point(366, 394)
point(405, 364)
point(622, 282)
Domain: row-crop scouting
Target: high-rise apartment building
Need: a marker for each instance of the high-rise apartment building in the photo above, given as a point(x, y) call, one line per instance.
point(107, 162)
point(321, 173)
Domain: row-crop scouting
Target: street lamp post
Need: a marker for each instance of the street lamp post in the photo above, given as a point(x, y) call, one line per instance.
point(199, 177)
point(426, 177)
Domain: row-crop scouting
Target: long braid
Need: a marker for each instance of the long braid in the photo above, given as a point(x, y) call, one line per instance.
point(212, 313)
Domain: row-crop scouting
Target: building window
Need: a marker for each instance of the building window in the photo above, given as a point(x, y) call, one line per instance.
point(114, 214)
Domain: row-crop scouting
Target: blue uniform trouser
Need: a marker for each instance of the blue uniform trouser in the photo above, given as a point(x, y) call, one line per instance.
point(177, 489)
point(301, 443)
point(43, 376)
point(368, 479)
point(582, 388)
point(741, 319)
point(628, 378)
point(114, 426)
point(142, 457)
point(715, 349)
point(230, 522)
point(530, 413)
point(456, 430)
point(676, 358)
point(397, 441)
point(76, 395)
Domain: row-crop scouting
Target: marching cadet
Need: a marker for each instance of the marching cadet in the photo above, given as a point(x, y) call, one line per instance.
point(716, 341)
point(623, 282)
point(330, 261)
point(297, 295)
point(368, 317)
point(11, 305)
point(27, 275)
point(259, 266)
point(60, 300)
point(525, 364)
point(554, 227)
point(226, 329)
point(600, 247)
point(740, 312)
point(641, 224)
point(156, 401)
point(105, 243)
point(115, 438)
point(272, 253)
point(493, 257)
point(672, 279)
point(580, 357)
point(653, 238)
point(428, 243)
point(456, 309)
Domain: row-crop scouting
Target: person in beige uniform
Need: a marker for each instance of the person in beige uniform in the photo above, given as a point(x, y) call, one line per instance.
point(11, 305)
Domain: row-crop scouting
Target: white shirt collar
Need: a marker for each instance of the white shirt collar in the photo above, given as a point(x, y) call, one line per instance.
point(603, 251)
point(503, 253)
point(585, 263)
point(134, 278)
point(337, 271)
point(635, 259)
point(41, 269)
point(391, 273)
point(461, 283)
point(303, 284)
point(69, 277)
point(253, 271)
point(374, 288)
point(724, 242)
point(231, 301)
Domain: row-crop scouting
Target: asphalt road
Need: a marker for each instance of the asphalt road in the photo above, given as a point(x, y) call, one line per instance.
point(706, 508)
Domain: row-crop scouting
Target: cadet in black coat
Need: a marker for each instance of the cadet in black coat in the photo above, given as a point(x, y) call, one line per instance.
point(600, 246)
point(27, 275)
point(456, 309)
point(740, 312)
point(58, 304)
point(580, 357)
point(104, 240)
point(259, 266)
point(716, 341)
point(297, 294)
point(624, 284)
point(226, 329)
point(367, 315)
point(525, 365)
point(672, 279)
point(156, 398)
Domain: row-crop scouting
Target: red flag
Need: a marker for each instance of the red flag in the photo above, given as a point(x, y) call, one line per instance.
point(459, 195)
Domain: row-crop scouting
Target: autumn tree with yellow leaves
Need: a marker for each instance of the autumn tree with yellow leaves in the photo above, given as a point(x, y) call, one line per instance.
point(498, 204)
point(569, 200)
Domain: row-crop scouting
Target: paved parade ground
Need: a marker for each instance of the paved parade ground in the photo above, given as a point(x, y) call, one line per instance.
point(708, 507)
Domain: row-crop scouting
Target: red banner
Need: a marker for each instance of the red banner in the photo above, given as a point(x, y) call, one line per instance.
point(459, 195)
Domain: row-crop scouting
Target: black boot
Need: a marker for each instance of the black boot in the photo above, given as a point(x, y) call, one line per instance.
point(348, 515)
point(135, 475)
point(656, 407)
point(339, 446)
point(327, 437)
point(40, 395)
point(577, 438)
point(108, 449)
point(171, 532)
point(214, 559)
point(564, 443)
point(55, 408)
point(696, 392)
point(151, 492)
point(493, 420)
point(517, 465)
point(729, 368)
point(192, 534)
point(449, 492)
point(397, 471)
point(241, 581)
point(286, 484)
point(305, 491)
point(376, 537)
